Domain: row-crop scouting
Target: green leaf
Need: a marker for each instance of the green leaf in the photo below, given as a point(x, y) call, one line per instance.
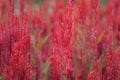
point(43, 41)
point(45, 69)
point(46, 66)
point(101, 36)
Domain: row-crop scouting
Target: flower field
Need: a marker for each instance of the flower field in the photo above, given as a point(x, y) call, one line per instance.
point(59, 40)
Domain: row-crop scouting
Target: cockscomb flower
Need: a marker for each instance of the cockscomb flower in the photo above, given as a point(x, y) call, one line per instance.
point(62, 42)
point(113, 64)
point(83, 11)
point(66, 23)
point(8, 37)
point(5, 49)
point(56, 67)
point(19, 66)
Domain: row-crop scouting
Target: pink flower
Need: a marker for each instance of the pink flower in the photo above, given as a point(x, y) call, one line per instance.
point(56, 67)
point(19, 66)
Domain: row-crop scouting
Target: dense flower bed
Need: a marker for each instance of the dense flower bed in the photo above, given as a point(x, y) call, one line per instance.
point(59, 40)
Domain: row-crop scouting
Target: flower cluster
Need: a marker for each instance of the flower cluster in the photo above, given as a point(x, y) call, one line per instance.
point(60, 39)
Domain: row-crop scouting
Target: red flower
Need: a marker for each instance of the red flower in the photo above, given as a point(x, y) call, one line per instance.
point(113, 64)
point(19, 67)
point(56, 67)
